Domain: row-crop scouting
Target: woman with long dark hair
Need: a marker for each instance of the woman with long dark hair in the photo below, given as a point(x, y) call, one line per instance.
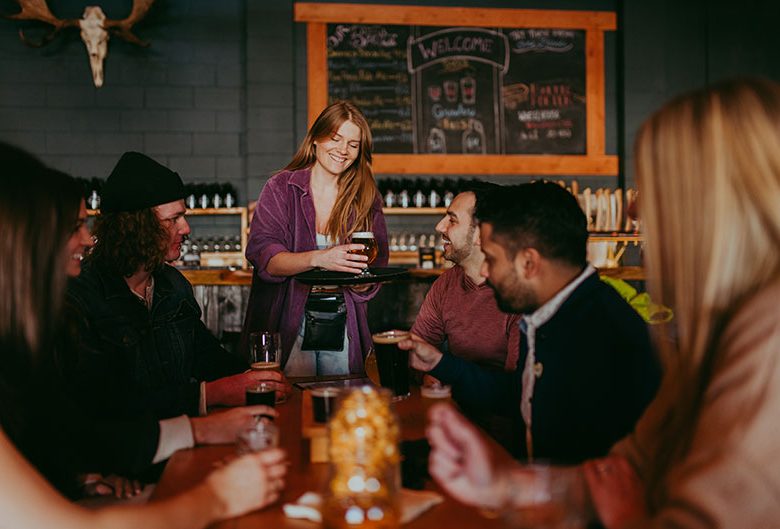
point(42, 241)
point(304, 219)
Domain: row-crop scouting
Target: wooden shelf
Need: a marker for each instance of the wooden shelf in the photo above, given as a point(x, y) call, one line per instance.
point(626, 273)
point(414, 211)
point(218, 277)
point(408, 257)
point(216, 211)
point(244, 277)
point(197, 211)
point(616, 237)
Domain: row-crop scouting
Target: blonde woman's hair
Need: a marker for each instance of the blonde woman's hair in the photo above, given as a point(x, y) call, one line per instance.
point(357, 188)
point(708, 166)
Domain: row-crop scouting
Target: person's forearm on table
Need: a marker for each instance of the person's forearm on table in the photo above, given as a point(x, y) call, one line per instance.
point(194, 510)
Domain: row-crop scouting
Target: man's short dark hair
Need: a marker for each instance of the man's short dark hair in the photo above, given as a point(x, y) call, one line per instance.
point(479, 188)
point(539, 215)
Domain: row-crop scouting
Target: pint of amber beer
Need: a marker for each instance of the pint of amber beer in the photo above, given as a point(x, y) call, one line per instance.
point(370, 248)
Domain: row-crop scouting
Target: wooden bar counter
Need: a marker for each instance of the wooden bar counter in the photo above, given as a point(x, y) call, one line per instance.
point(187, 467)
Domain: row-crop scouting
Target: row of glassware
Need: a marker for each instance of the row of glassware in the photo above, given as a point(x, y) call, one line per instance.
point(411, 242)
point(607, 210)
point(421, 193)
point(215, 195)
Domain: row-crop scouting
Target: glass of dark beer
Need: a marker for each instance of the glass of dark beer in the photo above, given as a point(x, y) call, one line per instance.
point(261, 393)
point(370, 248)
point(265, 350)
point(392, 362)
point(323, 402)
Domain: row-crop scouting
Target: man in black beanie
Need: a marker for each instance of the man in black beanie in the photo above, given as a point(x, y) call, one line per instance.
point(142, 347)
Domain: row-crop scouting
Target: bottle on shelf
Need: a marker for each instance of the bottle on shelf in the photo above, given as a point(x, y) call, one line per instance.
point(418, 199)
point(413, 242)
point(403, 199)
point(93, 202)
point(192, 257)
point(393, 244)
point(434, 198)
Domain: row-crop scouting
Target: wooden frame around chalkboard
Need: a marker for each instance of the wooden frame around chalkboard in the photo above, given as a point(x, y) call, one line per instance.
point(595, 23)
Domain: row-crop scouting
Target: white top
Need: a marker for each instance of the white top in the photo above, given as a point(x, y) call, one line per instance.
point(323, 241)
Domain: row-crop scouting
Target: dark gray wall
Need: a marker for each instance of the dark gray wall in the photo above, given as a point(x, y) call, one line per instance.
point(671, 47)
point(182, 100)
point(220, 94)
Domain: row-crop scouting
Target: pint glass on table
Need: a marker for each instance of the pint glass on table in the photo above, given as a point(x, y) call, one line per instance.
point(264, 351)
point(434, 394)
point(392, 362)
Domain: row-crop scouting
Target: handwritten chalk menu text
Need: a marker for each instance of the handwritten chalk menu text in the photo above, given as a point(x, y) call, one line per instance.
point(367, 66)
point(543, 92)
point(462, 90)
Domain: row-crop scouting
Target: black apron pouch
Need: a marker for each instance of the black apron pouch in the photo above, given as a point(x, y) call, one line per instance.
point(325, 323)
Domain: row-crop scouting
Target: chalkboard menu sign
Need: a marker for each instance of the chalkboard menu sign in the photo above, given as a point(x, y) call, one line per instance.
point(462, 90)
point(509, 91)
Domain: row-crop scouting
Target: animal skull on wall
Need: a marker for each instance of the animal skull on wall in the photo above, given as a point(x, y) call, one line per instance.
point(94, 26)
point(96, 40)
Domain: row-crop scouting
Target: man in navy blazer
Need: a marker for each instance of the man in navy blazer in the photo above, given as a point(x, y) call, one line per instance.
point(586, 368)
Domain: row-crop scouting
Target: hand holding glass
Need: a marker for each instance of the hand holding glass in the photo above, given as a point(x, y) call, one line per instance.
point(370, 248)
point(261, 436)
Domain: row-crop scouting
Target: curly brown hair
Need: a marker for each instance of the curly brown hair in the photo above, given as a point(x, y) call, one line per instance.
point(128, 241)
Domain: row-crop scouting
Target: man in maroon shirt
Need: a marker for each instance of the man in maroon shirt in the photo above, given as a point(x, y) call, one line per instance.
point(460, 314)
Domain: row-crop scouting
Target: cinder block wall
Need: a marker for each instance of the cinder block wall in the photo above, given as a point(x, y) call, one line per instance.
point(182, 100)
point(220, 95)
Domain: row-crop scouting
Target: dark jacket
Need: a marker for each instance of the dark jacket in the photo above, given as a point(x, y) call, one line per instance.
point(55, 434)
point(599, 373)
point(130, 360)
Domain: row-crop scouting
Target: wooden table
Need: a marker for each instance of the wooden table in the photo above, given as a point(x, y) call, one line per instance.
point(187, 467)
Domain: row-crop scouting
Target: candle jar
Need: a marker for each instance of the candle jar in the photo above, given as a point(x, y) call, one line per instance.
point(364, 478)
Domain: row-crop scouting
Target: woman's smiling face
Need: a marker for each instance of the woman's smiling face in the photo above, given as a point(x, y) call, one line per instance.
point(336, 153)
point(80, 240)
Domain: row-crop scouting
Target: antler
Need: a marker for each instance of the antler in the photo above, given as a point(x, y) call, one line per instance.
point(38, 10)
point(122, 27)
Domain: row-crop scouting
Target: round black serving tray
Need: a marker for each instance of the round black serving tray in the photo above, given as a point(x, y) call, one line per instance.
point(327, 277)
